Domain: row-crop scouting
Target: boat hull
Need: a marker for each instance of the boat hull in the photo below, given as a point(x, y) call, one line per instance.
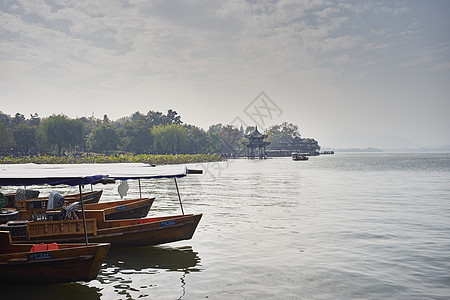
point(41, 202)
point(126, 233)
point(150, 234)
point(114, 210)
point(132, 213)
point(124, 209)
point(67, 264)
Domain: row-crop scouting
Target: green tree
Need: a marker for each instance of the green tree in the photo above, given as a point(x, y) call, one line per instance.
point(154, 118)
point(34, 120)
point(6, 139)
point(214, 143)
point(172, 117)
point(18, 119)
point(216, 128)
point(24, 136)
point(136, 136)
point(197, 139)
point(103, 138)
point(230, 136)
point(281, 134)
point(5, 119)
point(137, 116)
point(157, 118)
point(171, 138)
point(61, 132)
point(88, 124)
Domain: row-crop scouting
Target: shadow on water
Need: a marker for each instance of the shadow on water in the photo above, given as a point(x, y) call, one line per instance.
point(125, 274)
point(69, 291)
point(182, 259)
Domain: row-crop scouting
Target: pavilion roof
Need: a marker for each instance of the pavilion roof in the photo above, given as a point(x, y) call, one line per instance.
point(256, 135)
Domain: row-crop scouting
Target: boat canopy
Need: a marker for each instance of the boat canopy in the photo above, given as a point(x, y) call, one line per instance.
point(80, 174)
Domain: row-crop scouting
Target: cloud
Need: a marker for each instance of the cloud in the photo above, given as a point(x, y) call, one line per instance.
point(395, 11)
point(38, 7)
point(187, 37)
point(142, 46)
point(435, 57)
point(221, 50)
point(442, 67)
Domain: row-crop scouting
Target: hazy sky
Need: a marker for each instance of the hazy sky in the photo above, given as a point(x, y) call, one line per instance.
point(379, 67)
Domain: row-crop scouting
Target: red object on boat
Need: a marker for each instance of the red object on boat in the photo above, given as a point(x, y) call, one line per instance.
point(44, 247)
point(52, 246)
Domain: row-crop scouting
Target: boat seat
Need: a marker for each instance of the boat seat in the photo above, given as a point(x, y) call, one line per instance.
point(55, 201)
point(70, 212)
point(25, 194)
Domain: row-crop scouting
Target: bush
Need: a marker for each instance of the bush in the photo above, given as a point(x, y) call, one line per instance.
point(120, 158)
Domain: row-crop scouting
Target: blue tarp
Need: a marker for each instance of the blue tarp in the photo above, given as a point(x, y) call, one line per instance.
point(51, 181)
point(80, 174)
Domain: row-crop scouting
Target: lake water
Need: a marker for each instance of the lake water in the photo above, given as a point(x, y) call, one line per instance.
point(343, 226)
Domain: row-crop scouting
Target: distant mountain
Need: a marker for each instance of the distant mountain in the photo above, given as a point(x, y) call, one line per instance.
point(355, 138)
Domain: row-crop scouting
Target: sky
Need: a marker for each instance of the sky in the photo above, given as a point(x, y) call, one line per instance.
point(348, 73)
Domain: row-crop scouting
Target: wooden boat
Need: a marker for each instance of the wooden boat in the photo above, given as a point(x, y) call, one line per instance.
point(123, 209)
point(8, 214)
point(114, 210)
point(57, 263)
point(328, 152)
point(94, 227)
point(119, 233)
point(41, 202)
point(299, 156)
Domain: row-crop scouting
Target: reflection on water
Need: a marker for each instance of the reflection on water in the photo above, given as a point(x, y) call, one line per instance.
point(127, 273)
point(182, 259)
point(69, 291)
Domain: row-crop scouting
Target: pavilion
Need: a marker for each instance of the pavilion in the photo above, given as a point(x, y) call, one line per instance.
point(256, 145)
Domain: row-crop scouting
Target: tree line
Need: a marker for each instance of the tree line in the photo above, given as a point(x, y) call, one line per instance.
point(151, 133)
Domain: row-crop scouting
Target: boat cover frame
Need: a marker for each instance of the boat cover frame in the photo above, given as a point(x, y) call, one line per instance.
point(81, 174)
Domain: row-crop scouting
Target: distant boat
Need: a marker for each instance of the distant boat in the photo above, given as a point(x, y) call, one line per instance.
point(299, 156)
point(328, 152)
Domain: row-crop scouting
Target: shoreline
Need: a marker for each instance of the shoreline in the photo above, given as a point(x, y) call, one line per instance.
point(156, 159)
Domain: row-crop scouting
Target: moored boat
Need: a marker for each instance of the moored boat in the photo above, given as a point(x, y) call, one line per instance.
point(119, 233)
point(94, 227)
point(8, 214)
point(299, 156)
point(48, 263)
point(42, 202)
point(114, 210)
point(57, 263)
point(123, 209)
